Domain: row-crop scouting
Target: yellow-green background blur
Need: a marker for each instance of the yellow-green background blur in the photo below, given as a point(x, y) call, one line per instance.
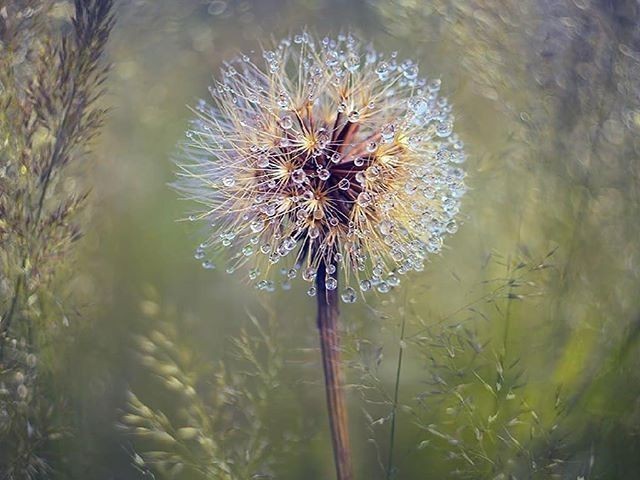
point(546, 99)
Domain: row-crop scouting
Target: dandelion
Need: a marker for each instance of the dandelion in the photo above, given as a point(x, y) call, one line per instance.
point(328, 161)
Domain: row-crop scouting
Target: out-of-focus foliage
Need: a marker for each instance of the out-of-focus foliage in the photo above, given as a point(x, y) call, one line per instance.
point(217, 422)
point(51, 76)
point(491, 421)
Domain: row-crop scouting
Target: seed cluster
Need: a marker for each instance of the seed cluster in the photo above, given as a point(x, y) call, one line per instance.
point(324, 153)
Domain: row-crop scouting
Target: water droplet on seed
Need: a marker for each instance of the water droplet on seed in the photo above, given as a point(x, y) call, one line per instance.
point(298, 176)
point(286, 123)
point(331, 283)
point(323, 174)
point(348, 295)
point(364, 199)
point(354, 116)
point(309, 274)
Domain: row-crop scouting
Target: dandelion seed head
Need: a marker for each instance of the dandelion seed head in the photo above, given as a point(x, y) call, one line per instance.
point(323, 152)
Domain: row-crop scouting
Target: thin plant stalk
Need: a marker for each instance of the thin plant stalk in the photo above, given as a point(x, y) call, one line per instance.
point(396, 392)
point(328, 318)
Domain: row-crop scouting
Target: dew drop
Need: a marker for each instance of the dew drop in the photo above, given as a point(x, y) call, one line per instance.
point(414, 141)
point(457, 156)
point(386, 227)
point(410, 72)
point(393, 280)
point(322, 138)
point(289, 244)
point(298, 176)
point(434, 85)
point(383, 70)
point(353, 116)
point(364, 199)
point(344, 184)
point(270, 210)
point(283, 100)
point(286, 123)
point(444, 128)
point(314, 232)
point(418, 105)
point(331, 283)
point(388, 132)
point(352, 62)
point(373, 172)
point(257, 226)
point(348, 295)
point(324, 174)
point(309, 274)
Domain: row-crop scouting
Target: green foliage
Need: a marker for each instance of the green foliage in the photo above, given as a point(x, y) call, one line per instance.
point(50, 83)
point(209, 421)
point(486, 424)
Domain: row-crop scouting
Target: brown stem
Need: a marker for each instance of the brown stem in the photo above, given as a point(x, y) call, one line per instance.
point(328, 314)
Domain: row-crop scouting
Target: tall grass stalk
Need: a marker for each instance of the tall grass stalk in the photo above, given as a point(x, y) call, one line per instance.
point(396, 392)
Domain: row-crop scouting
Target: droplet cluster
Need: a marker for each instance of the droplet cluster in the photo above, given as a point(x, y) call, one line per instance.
point(323, 151)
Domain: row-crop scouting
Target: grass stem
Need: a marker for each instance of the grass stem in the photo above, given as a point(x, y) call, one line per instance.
point(392, 434)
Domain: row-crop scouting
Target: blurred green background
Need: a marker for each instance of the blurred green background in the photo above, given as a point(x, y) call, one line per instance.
point(521, 339)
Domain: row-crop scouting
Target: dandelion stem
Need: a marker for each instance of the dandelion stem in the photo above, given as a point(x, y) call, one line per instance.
point(394, 408)
point(328, 314)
